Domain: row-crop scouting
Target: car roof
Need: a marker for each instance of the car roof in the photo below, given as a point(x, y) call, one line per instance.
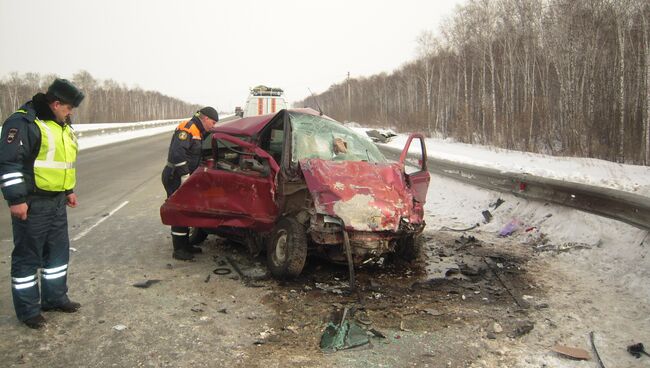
point(252, 125)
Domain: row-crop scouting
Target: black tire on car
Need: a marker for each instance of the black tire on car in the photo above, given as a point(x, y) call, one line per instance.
point(410, 247)
point(286, 250)
point(197, 235)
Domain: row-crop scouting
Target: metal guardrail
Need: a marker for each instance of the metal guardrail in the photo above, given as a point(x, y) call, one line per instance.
point(623, 206)
point(126, 128)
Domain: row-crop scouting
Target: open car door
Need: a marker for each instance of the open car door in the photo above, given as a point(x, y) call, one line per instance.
point(413, 161)
point(236, 190)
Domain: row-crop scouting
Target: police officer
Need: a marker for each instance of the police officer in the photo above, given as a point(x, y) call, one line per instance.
point(38, 150)
point(183, 158)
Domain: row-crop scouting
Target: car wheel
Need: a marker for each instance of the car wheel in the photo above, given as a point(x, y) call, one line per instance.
point(286, 250)
point(197, 235)
point(410, 247)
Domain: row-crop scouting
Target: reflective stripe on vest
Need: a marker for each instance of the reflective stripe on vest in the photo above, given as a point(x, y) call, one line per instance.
point(54, 168)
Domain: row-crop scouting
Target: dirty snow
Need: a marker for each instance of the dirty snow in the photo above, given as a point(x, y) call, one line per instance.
point(630, 178)
point(605, 262)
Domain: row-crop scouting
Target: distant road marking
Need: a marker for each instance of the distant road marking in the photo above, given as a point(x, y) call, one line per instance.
point(83, 233)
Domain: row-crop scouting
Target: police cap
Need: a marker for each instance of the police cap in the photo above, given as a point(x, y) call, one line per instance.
point(210, 112)
point(66, 92)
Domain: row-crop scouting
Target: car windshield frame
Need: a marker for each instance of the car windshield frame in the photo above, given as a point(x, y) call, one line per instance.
point(314, 136)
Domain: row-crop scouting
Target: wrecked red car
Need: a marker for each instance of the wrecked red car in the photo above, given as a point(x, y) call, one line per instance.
point(298, 183)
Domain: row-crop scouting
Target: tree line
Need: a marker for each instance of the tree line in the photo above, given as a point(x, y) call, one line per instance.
point(562, 77)
point(105, 102)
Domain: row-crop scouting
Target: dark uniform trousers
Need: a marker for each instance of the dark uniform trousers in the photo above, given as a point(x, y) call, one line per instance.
point(41, 241)
point(172, 182)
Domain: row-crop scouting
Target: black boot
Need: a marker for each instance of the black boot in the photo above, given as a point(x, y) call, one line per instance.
point(37, 322)
point(67, 307)
point(192, 249)
point(180, 248)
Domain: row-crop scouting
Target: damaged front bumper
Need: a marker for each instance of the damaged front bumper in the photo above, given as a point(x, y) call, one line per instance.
point(326, 233)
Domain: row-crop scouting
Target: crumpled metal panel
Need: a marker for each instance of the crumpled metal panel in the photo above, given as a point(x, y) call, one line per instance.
point(211, 198)
point(365, 196)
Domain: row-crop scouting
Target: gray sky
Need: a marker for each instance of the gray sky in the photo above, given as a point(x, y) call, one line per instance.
point(211, 52)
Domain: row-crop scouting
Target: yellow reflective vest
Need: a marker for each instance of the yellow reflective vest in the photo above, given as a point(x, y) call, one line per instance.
point(54, 168)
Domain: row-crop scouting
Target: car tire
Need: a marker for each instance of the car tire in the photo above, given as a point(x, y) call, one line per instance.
point(197, 236)
point(286, 250)
point(410, 247)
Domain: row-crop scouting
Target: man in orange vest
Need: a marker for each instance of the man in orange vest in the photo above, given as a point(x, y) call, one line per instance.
point(183, 158)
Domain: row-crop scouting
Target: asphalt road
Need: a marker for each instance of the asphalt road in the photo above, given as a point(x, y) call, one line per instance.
point(171, 324)
point(106, 177)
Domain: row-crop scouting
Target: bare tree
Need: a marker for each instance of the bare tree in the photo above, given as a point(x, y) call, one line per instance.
point(568, 77)
point(105, 101)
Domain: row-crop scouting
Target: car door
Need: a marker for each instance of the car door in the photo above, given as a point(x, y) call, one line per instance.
point(413, 161)
point(236, 190)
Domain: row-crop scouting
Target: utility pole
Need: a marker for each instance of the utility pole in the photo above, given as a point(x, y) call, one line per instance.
point(349, 99)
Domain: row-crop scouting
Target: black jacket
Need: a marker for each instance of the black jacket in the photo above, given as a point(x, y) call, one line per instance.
point(20, 142)
point(185, 147)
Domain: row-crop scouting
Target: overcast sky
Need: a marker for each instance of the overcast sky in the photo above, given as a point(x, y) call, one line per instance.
point(212, 52)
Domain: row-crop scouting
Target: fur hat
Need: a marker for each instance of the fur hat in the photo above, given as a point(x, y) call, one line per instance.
point(66, 92)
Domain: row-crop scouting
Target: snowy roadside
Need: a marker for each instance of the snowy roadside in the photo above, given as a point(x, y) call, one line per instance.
point(595, 271)
point(630, 178)
point(96, 140)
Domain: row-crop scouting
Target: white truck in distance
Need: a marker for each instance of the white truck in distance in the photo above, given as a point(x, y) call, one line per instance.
point(264, 100)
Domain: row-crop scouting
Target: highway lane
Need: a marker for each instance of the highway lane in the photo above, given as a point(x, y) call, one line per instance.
point(106, 175)
point(127, 247)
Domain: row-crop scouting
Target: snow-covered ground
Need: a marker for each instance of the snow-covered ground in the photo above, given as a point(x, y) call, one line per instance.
point(621, 250)
point(630, 178)
point(97, 140)
point(598, 277)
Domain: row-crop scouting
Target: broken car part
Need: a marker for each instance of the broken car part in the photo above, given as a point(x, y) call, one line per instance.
point(636, 350)
point(145, 284)
point(347, 334)
point(593, 346)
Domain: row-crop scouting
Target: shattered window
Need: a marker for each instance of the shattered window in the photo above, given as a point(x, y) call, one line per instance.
point(318, 137)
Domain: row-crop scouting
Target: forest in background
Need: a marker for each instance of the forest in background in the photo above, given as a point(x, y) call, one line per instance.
point(561, 77)
point(106, 101)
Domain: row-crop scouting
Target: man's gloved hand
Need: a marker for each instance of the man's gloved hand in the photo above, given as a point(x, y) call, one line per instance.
point(184, 178)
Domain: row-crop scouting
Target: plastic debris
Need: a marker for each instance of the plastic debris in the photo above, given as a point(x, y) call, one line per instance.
point(380, 136)
point(145, 284)
point(510, 227)
point(377, 333)
point(523, 329)
point(636, 350)
point(344, 336)
point(574, 353)
point(119, 327)
point(487, 216)
point(593, 346)
point(496, 204)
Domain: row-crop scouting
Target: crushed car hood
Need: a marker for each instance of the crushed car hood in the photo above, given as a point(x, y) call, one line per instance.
point(365, 196)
